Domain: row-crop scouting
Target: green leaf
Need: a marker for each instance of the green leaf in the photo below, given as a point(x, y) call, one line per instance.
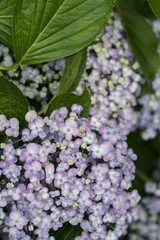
point(68, 99)
point(68, 232)
point(73, 71)
point(142, 39)
point(6, 15)
point(155, 6)
point(60, 2)
point(45, 30)
point(142, 7)
point(13, 102)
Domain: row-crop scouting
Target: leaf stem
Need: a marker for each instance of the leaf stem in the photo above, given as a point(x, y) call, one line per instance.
point(142, 176)
point(9, 68)
point(43, 110)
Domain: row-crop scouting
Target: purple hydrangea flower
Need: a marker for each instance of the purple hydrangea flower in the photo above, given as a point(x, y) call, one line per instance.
point(113, 77)
point(75, 170)
point(147, 226)
point(17, 219)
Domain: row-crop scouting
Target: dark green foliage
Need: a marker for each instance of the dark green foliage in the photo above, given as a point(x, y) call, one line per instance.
point(68, 99)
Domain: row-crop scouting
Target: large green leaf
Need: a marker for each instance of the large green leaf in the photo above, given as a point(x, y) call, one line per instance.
point(142, 39)
point(142, 7)
point(6, 15)
point(44, 30)
point(155, 6)
point(73, 71)
point(68, 99)
point(12, 101)
point(68, 232)
point(60, 2)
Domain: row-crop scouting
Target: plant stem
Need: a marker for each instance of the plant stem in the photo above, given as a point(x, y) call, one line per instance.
point(43, 110)
point(8, 68)
point(142, 176)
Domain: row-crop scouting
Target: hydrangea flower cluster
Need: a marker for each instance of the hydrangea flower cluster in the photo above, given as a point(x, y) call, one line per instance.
point(38, 82)
point(147, 227)
point(65, 168)
point(149, 116)
point(113, 76)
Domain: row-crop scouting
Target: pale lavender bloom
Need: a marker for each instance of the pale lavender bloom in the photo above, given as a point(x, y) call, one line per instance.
point(12, 171)
point(17, 220)
point(100, 187)
point(4, 123)
point(111, 235)
point(30, 73)
point(13, 129)
point(99, 171)
point(36, 127)
point(108, 134)
point(26, 135)
point(49, 170)
point(84, 236)
point(100, 150)
point(36, 204)
point(84, 200)
point(77, 108)
point(15, 193)
point(9, 152)
point(60, 114)
point(2, 214)
point(89, 138)
point(115, 177)
point(46, 223)
point(98, 209)
point(14, 232)
point(31, 152)
point(43, 153)
point(32, 169)
point(60, 178)
point(134, 198)
point(41, 234)
point(3, 198)
point(31, 116)
point(62, 167)
point(69, 129)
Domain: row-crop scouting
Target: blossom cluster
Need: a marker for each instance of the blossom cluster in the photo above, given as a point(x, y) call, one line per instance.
point(38, 82)
point(147, 227)
point(113, 76)
point(149, 115)
point(66, 168)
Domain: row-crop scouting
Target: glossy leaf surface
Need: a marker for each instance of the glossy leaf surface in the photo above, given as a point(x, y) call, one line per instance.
point(12, 101)
point(45, 30)
point(74, 68)
point(6, 15)
point(155, 6)
point(68, 99)
point(68, 232)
